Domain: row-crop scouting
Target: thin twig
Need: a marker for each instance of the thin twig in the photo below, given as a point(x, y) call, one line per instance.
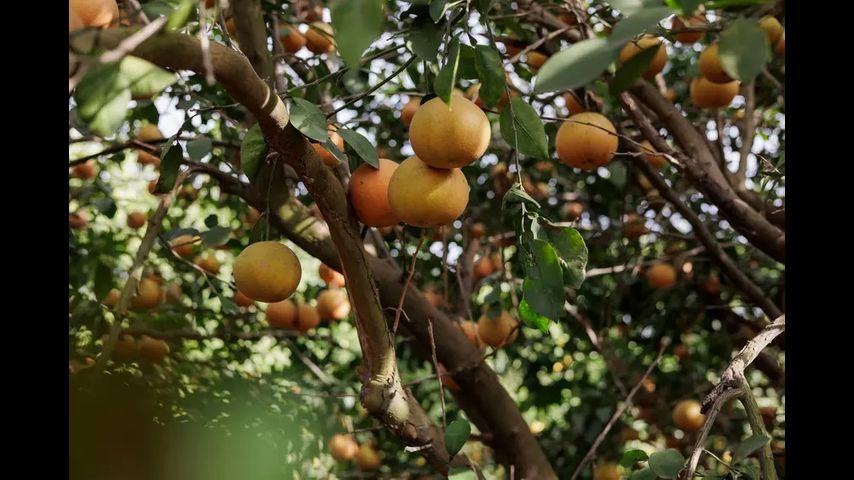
point(406, 285)
point(748, 129)
point(697, 452)
point(375, 87)
point(436, 366)
point(620, 410)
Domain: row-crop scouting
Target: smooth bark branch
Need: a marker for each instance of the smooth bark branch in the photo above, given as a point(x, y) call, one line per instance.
point(727, 264)
point(703, 434)
point(382, 393)
point(700, 167)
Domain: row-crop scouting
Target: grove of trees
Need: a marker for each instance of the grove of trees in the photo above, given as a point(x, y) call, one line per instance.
point(420, 239)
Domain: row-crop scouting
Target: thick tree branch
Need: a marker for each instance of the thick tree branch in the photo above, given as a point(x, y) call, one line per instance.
point(700, 167)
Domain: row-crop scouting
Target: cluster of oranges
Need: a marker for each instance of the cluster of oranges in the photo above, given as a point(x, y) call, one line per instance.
point(344, 448)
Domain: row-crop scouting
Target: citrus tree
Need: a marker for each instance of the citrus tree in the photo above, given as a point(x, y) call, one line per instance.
point(400, 239)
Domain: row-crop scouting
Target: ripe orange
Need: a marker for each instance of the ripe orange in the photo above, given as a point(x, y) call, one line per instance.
point(281, 314)
point(332, 278)
point(267, 271)
point(687, 416)
point(647, 41)
point(449, 136)
point(183, 245)
point(208, 262)
point(661, 275)
point(573, 103)
point(125, 348)
point(95, 13)
point(586, 140)
point(688, 38)
point(307, 318)
point(470, 329)
point(423, 196)
point(495, 331)
point(710, 65)
point(772, 28)
point(327, 156)
point(292, 41)
point(136, 220)
point(655, 161)
point(706, 94)
point(536, 60)
point(319, 38)
point(84, 171)
point(333, 304)
point(409, 109)
point(342, 447)
point(153, 350)
point(607, 471)
point(369, 194)
point(148, 295)
point(242, 300)
point(367, 458)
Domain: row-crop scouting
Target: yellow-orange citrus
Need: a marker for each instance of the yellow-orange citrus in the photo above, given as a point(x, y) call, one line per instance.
point(333, 304)
point(536, 60)
point(706, 94)
point(655, 160)
point(607, 471)
point(409, 109)
point(307, 318)
point(710, 65)
point(85, 170)
point(208, 262)
point(330, 277)
point(449, 136)
point(152, 350)
point(367, 458)
point(267, 271)
point(148, 295)
point(368, 193)
point(183, 245)
point(342, 447)
point(95, 13)
point(281, 314)
point(292, 41)
point(136, 220)
point(423, 196)
point(772, 28)
point(661, 275)
point(688, 37)
point(647, 41)
point(586, 140)
point(319, 38)
point(496, 332)
point(325, 154)
point(242, 300)
point(573, 103)
point(687, 416)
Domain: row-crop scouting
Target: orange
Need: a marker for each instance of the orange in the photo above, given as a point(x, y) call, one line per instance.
point(333, 304)
point(409, 109)
point(423, 196)
point(319, 38)
point(661, 275)
point(688, 38)
point(573, 103)
point(242, 300)
point(342, 447)
point(655, 161)
point(85, 170)
point(449, 136)
point(367, 458)
point(136, 220)
point(307, 318)
point(267, 271)
point(706, 94)
point(95, 13)
point(332, 278)
point(281, 314)
point(772, 28)
point(152, 350)
point(369, 194)
point(586, 140)
point(183, 245)
point(646, 41)
point(495, 331)
point(148, 295)
point(536, 60)
point(687, 416)
point(325, 154)
point(710, 65)
point(607, 471)
point(292, 41)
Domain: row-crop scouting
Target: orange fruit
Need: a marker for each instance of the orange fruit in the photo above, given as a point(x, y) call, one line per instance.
point(319, 38)
point(469, 329)
point(367, 458)
point(688, 38)
point(646, 41)
point(772, 28)
point(112, 297)
point(95, 13)
point(327, 156)
point(573, 210)
point(307, 318)
point(77, 220)
point(342, 447)
point(423, 196)
point(687, 416)
point(446, 379)
point(281, 314)
point(292, 41)
point(152, 350)
point(332, 278)
point(368, 193)
point(183, 245)
point(573, 103)
point(780, 46)
point(148, 295)
point(495, 331)
point(409, 109)
point(449, 136)
point(267, 271)
point(536, 60)
point(125, 348)
point(706, 94)
point(607, 471)
point(655, 161)
point(208, 262)
point(242, 300)
point(586, 140)
point(661, 275)
point(710, 65)
point(333, 304)
point(136, 220)
point(85, 170)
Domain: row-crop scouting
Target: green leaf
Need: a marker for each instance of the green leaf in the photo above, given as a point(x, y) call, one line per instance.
point(748, 446)
point(572, 251)
point(733, 3)
point(437, 9)
point(357, 23)
point(106, 205)
point(632, 70)
point(467, 69)
point(637, 23)
point(144, 78)
point(175, 233)
point(487, 62)
point(750, 471)
point(211, 220)
point(644, 474)
point(425, 38)
point(461, 473)
point(618, 174)
point(181, 15)
point(361, 145)
point(215, 236)
point(456, 435)
point(253, 151)
point(333, 149)
point(484, 6)
point(169, 164)
point(199, 147)
point(308, 119)
point(529, 130)
point(631, 457)
point(629, 7)
point(103, 282)
point(532, 318)
point(576, 66)
point(447, 77)
point(261, 231)
point(743, 49)
point(102, 98)
point(667, 463)
point(517, 195)
point(688, 7)
point(543, 285)
point(156, 8)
